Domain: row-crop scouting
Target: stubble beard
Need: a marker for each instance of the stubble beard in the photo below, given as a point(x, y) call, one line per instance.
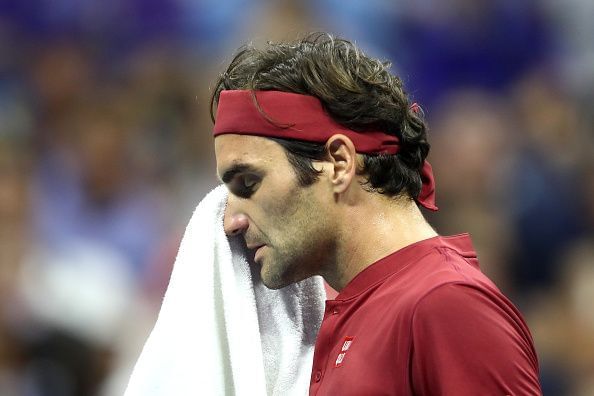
point(305, 247)
point(296, 261)
point(276, 273)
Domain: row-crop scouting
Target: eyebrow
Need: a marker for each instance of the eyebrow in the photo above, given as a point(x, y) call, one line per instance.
point(235, 169)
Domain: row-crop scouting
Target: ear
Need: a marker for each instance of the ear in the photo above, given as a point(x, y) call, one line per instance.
point(343, 161)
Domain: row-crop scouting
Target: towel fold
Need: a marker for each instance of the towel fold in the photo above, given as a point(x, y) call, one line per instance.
point(220, 331)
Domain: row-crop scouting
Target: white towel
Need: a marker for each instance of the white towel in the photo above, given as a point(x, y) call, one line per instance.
point(220, 331)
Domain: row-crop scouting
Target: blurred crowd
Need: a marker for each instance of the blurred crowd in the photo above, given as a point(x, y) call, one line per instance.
point(106, 148)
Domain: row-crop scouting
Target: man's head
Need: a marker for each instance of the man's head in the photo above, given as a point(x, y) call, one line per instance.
point(357, 91)
point(295, 217)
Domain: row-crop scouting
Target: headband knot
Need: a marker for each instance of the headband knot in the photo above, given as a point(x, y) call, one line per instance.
point(415, 108)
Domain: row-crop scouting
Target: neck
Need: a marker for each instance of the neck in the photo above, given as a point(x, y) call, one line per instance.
point(382, 226)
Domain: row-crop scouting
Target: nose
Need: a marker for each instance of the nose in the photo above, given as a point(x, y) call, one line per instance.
point(234, 222)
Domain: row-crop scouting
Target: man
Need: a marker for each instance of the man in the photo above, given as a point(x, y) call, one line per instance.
point(325, 161)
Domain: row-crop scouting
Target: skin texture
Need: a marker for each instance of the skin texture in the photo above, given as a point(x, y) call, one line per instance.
point(275, 211)
point(332, 228)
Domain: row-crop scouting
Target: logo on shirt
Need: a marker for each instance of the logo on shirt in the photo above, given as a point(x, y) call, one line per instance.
point(346, 344)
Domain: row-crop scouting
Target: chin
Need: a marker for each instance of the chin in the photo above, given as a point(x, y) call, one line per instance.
point(274, 286)
point(279, 281)
point(275, 283)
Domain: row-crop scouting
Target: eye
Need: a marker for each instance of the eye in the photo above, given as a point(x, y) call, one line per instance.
point(250, 181)
point(244, 185)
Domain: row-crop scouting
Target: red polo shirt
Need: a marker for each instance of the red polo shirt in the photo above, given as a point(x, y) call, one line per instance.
point(424, 321)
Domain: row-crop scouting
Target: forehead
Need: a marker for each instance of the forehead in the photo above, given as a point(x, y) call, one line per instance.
point(257, 151)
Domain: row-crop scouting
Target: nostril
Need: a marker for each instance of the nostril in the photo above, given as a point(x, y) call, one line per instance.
point(235, 232)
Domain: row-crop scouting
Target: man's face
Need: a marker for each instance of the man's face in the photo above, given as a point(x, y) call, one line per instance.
point(288, 226)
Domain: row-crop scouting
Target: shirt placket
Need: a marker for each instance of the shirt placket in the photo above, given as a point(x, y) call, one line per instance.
point(324, 345)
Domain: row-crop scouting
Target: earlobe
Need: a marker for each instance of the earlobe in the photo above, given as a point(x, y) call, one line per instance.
point(343, 157)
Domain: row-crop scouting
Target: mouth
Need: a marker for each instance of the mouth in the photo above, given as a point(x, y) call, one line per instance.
point(257, 249)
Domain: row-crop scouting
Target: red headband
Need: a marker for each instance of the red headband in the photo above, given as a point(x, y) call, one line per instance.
point(302, 117)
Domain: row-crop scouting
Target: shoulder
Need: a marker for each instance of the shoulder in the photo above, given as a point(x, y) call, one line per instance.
point(460, 304)
point(441, 273)
point(455, 296)
point(462, 331)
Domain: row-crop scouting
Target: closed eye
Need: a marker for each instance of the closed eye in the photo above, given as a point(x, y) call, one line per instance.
point(242, 179)
point(244, 185)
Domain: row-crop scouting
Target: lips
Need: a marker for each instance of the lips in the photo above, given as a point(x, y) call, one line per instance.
point(258, 253)
point(254, 246)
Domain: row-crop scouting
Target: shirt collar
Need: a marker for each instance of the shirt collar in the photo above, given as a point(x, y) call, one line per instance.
point(401, 258)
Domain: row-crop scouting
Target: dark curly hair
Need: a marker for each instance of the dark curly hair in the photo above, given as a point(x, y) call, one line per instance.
point(357, 91)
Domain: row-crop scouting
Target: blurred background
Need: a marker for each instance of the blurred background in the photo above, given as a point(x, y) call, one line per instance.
point(106, 148)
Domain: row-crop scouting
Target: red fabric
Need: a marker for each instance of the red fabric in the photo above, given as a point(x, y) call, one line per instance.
point(424, 321)
point(296, 117)
point(302, 117)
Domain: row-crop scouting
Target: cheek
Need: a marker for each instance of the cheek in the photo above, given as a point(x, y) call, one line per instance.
point(282, 203)
point(286, 211)
point(301, 217)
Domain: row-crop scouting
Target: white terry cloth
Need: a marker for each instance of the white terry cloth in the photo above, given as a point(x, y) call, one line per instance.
point(220, 331)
